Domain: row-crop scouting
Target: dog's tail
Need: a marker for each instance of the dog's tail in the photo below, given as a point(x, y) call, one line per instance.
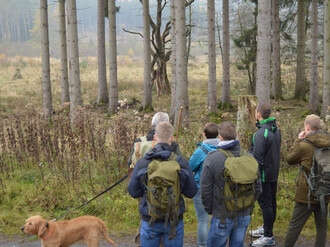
point(105, 234)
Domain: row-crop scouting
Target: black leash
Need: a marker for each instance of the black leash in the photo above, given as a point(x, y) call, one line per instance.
point(114, 185)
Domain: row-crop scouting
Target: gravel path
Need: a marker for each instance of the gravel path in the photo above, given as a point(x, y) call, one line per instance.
point(127, 241)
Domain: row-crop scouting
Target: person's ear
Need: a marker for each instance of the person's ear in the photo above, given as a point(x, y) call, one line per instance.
point(221, 138)
point(155, 137)
point(172, 139)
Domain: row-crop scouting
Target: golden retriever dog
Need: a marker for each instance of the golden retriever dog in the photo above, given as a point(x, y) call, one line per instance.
point(66, 233)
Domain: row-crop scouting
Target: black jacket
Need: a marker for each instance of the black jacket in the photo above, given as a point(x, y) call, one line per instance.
point(265, 147)
point(137, 189)
point(213, 178)
point(150, 137)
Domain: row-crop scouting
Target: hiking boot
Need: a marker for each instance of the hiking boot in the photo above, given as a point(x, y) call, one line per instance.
point(257, 233)
point(264, 241)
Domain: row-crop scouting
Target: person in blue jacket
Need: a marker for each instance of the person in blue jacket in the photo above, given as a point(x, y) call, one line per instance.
point(196, 163)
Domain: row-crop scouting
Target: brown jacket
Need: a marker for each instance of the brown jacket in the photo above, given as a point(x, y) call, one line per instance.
point(302, 153)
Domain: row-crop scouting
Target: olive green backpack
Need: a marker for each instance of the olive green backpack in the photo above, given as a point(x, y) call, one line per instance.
point(163, 192)
point(140, 149)
point(240, 173)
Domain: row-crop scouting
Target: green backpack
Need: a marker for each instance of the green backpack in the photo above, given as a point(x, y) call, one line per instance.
point(163, 192)
point(140, 149)
point(318, 179)
point(240, 173)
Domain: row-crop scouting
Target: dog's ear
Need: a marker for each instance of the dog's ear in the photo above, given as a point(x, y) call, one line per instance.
point(41, 227)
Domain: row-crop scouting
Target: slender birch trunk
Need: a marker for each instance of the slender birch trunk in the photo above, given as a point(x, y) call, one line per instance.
point(276, 51)
point(263, 51)
point(113, 93)
point(181, 64)
point(147, 96)
point(173, 61)
point(74, 69)
point(212, 84)
point(65, 96)
point(225, 96)
point(102, 92)
point(46, 84)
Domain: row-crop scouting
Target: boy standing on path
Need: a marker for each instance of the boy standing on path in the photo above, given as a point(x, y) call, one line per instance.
point(152, 233)
point(225, 225)
point(196, 163)
point(302, 152)
point(265, 147)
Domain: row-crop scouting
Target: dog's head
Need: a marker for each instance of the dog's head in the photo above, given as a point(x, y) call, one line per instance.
point(35, 225)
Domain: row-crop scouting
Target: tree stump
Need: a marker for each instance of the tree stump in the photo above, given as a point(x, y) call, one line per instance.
point(246, 120)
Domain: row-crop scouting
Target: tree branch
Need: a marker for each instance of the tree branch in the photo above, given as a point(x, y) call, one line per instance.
point(131, 32)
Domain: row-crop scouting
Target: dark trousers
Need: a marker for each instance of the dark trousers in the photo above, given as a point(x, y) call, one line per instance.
point(267, 203)
point(300, 215)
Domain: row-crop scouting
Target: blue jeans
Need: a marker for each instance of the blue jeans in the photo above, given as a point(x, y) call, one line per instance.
point(151, 235)
point(219, 233)
point(202, 218)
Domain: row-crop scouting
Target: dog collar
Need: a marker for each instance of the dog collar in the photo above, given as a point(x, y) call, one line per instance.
point(50, 233)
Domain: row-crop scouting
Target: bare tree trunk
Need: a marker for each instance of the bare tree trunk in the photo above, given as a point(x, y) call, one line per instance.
point(75, 91)
point(181, 64)
point(173, 61)
point(246, 119)
point(225, 96)
point(147, 101)
point(313, 96)
point(46, 85)
point(263, 51)
point(212, 84)
point(326, 83)
point(276, 51)
point(102, 93)
point(65, 97)
point(300, 72)
point(113, 94)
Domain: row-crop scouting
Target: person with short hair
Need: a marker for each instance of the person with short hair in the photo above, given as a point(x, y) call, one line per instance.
point(196, 161)
point(151, 234)
point(159, 117)
point(302, 152)
point(233, 227)
point(265, 147)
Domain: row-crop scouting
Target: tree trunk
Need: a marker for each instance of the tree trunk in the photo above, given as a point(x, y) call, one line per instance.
point(313, 96)
point(276, 51)
point(147, 100)
point(225, 96)
point(181, 64)
point(263, 51)
point(212, 84)
point(189, 32)
point(65, 97)
point(300, 71)
point(46, 85)
point(173, 61)
point(75, 91)
point(246, 119)
point(113, 94)
point(102, 93)
point(326, 83)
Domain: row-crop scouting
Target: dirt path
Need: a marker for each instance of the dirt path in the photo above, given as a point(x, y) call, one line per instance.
point(127, 241)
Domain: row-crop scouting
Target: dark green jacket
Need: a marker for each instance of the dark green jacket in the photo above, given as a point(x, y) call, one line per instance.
point(302, 153)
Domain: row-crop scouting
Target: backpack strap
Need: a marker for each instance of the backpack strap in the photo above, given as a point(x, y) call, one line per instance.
point(227, 153)
point(204, 149)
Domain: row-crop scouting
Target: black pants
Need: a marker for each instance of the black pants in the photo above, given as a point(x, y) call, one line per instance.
point(267, 203)
point(300, 215)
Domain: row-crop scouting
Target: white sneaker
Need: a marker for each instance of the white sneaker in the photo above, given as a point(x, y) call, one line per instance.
point(264, 241)
point(257, 233)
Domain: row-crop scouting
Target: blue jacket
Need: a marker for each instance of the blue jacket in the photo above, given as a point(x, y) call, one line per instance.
point(197, 159)
point(137, 189)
